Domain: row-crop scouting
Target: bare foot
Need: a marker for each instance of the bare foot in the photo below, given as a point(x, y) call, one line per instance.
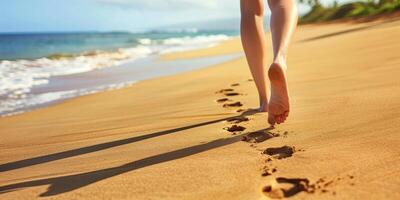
point(278, 108)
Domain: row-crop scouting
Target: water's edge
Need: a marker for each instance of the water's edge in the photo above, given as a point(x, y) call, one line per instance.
point(61, 88)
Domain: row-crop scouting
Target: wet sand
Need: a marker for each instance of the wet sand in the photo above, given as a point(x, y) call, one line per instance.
point(195, 135)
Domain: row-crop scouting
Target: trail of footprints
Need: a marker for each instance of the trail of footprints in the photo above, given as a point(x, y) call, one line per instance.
point(280, 187)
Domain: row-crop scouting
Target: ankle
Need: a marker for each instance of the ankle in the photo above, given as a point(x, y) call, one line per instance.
point(280, 57)
point(263, 106)
point(279, 61)
point(263, 100)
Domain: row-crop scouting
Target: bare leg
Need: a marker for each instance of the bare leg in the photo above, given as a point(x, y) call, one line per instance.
point(253, 41)
point(283, 24)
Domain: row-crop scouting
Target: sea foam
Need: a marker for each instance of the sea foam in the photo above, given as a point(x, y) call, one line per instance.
point(18, 77)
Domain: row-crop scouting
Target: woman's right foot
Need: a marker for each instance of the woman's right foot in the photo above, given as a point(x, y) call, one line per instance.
point(278, 105)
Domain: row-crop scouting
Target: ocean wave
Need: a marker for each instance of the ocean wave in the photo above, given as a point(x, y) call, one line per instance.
point(172, 30)
point(190, 43)
point(11, 107)
point(18, 77)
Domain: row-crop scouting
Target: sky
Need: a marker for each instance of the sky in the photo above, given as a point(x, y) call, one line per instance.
point(111, 15)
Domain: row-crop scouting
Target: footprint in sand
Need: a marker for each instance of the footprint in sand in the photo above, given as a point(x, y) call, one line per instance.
point(235, 84)
point(237, 120)
point(267, 171)
point(287, 187)
point(222, 100)
point(230, 94)
point(227, 92)
point(235, 104)
point(235, 128)
point(257, 137)
point(280, 152)
point(224, 90)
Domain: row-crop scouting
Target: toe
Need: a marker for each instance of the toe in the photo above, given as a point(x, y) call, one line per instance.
point(278, 119)
point(271, 120)
point(286, 114)
point(283, 118)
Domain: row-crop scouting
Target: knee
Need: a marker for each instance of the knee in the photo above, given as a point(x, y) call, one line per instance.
point(252, 7)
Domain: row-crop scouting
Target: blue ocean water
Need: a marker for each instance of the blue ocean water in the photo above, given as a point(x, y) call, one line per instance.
point(15, 46)
point(30, 62)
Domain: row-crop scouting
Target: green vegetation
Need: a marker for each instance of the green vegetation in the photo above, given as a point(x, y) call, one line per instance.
point(319, 13)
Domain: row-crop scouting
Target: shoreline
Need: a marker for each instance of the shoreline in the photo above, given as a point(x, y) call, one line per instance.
point(52, 89)
point(111, 78)
point(173, 138)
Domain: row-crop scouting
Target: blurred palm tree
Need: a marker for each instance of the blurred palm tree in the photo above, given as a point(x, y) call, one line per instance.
point(361, 8)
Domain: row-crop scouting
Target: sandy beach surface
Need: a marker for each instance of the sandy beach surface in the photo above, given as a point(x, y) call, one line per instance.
point(177, 137)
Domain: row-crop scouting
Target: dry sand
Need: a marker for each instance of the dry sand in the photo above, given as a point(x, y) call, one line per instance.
point(165, 138)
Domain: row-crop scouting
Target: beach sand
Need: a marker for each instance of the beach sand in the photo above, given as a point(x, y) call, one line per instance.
point(169, 138)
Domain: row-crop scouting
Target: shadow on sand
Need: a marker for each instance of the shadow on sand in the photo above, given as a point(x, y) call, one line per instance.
point(62, 184)
point(377, 25)
point(103, 146)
